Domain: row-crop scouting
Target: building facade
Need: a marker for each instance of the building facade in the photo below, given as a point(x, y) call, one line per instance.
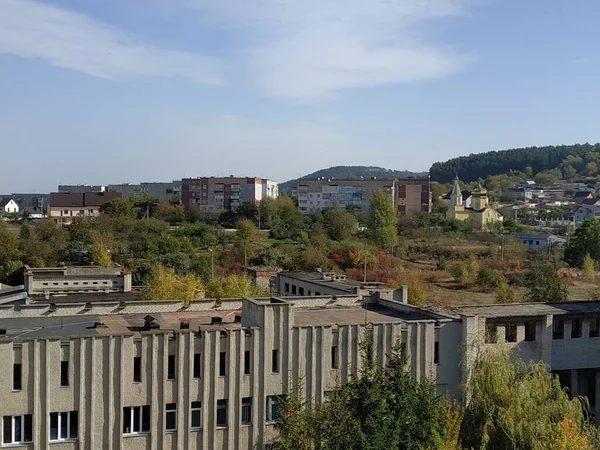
point(81, 188)
point(410, 195)
point(64, 206)
point(214, 194)
point(8, 205)
point(159, 190)
point(479, 216)
point(38, 202)
point(565, 336)
point(156, 375)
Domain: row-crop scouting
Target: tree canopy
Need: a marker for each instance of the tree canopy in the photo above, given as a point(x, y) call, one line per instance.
point(585, 241)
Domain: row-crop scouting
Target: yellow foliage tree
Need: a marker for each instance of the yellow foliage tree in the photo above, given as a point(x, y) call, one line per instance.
point(589, 269)
point(567, 436)
point(460, 272)
point(504, 293)
point(473, 266)
point(233, 286)
point(165, 284)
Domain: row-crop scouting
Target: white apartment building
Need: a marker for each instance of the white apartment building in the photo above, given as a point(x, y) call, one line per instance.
point(157, 375)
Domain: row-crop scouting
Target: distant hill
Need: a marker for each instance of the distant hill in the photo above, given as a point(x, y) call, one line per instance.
point(481, 165)
point(342, 172)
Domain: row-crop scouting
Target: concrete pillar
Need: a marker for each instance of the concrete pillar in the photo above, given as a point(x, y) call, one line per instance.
point(470, 333)
point(546, 339)
point(574, 382)
point(568, 327)
point(520, 332)
point(597, 399)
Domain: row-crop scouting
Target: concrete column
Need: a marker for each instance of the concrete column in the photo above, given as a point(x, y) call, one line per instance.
point(520, 332)
point(568, 327)
point(574, 382)
point(546, 339)
point(470, 333)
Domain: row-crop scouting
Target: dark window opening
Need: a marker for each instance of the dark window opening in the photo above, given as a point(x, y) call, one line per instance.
point(436, 352)
point(246, 410)
point(530, 331)
point(594, 328)
point(223, 364)
point(576, 328)
point(17, 377)
point(171, 367)
point(293, 289)
point(137, 369)
point(171, 417)
point(558, 329)
point(64, 373)
point(247, 362)
point(196, 365)
point(510, 332)
point(222, 413)
point(275, 361)
point(334, 357)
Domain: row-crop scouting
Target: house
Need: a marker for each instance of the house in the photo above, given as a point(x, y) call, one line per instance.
point(64, 206)
point(584, 212)
point(31, 213)
point(591, 201)
point(479, 215)
point(8, 205)
point(580, 196)
point(542, 242)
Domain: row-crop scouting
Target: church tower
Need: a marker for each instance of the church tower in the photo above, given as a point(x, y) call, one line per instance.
point(456, 198)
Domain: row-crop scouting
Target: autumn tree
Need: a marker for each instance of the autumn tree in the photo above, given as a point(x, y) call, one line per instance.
point(460, 272)
point(589, 269)
point(382, 219)
point(164, 284)
point(246, 232)
point(119, 207)
point(503, 292)
point(233, 286)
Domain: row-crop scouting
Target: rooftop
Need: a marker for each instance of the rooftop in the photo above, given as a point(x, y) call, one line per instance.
point(531, 309)
point(331, 280)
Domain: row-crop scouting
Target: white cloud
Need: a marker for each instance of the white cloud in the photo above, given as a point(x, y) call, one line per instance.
point(313, 48)
point(35, 30)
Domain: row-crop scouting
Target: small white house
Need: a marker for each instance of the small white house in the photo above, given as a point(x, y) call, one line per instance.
point(8, 205)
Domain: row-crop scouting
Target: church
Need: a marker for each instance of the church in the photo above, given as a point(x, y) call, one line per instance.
point(479, 215)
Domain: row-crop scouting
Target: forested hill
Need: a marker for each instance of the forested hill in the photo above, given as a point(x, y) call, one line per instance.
point(481, 165)
point(342, 172)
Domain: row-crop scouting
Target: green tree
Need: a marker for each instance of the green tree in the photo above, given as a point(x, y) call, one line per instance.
point(473, 266)
point(380, 408)
point(169, 212)
point(589, 269)
point(284, 219)
point(544, 285)
point(517, 405)
point(503, 293)
point(119, 207)
point(246, 232)
point(233, 286)
point(247, 210)
point(9, 249)
point(460, 272)
point(382, 219)
point(340, 225)
point(585, 241)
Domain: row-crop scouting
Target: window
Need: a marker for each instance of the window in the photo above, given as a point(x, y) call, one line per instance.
point(317, 293)
point(510, 332)
point(300, 291)
point(293, 289)
point(576, 328)
point(196, 365)
point(222, 413)
point(246, 410)
point(196, 415)
point(287, 288)
point(136, 419)
point(137, 369)
point(436, 352)
point(594, 328)
point(64, 373)
point(171, 417)
point(491, 333)
point(334, 357)
point(17, 377)
point(275, 361)
point(273, 407)
point(530, 331)
point(558, 329)
point(223, 364)
point(171, 367)
point(17, 429)
point(63, 425)
point(247, 362)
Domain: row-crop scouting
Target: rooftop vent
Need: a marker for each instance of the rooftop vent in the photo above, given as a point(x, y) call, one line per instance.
point(216, 320)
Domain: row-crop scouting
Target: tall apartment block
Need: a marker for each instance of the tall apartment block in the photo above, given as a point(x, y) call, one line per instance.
point(216, 194)
point(410, 195)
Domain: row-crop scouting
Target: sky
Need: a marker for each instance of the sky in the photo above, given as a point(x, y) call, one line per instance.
point(113, 91)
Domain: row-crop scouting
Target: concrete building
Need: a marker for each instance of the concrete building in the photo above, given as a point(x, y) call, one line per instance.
point(81, 188)
point(479, 216)
point(214, 194)
point(66, 280)
point(160, 190)
point(566, 336)
point(541, 242)
point(584, 212)
point(125, 189)
point(157, 375)
point(64, 206)
point(316, 195)
point(410, 195)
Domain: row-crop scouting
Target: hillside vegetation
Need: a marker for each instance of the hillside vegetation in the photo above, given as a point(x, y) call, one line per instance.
point(539, 159)
point(342, 172)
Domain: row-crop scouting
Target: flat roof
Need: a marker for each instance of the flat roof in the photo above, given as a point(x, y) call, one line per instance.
point(349, 315)
point(86, 297)
point(531, 309)
point(347, 285)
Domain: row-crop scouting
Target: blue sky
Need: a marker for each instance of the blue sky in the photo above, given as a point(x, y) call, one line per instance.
point(110, 91)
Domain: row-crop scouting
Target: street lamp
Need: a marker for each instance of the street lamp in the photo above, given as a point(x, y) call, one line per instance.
point(212, 264)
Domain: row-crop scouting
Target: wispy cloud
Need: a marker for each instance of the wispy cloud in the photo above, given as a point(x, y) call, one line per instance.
point(35, 30)
point(313, 48)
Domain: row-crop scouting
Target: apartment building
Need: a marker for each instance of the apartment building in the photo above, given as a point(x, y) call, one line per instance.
point(215, 194)
point(158, 375)
point(36, 201)
point(64, 206)
point(81, 188)
point(565, 336)
point(159, 190)
point(410, 195)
